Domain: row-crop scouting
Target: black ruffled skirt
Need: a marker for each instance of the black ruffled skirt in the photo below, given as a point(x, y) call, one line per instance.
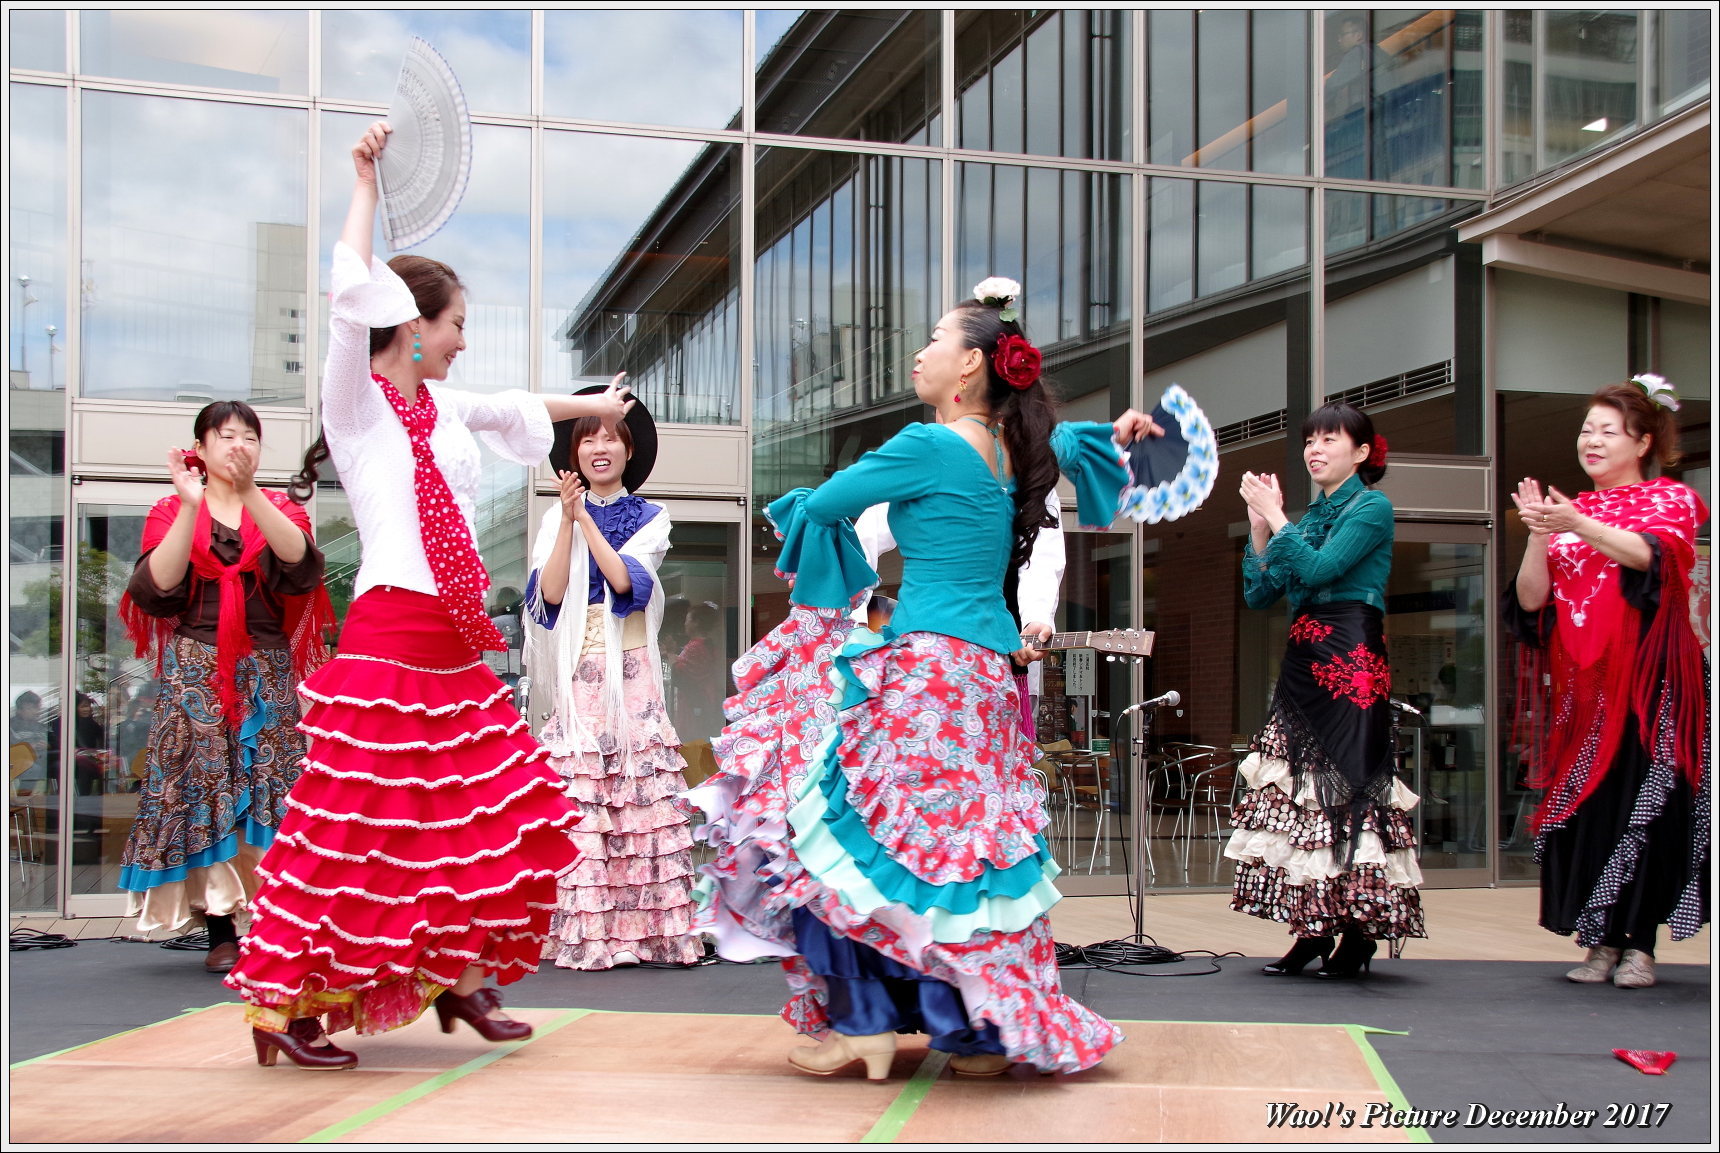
point(1323, 839)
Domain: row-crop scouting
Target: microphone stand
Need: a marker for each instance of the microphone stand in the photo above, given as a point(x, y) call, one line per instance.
point(1139, 812)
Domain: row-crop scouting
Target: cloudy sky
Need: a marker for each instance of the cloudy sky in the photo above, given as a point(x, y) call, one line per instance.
point(174, 190)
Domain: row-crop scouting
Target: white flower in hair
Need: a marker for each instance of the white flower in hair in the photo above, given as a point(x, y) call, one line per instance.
point(998, 292)
point(1659, 389)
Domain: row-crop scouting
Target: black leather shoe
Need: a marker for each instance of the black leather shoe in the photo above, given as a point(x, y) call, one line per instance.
point(1306, 949)
point(1354, 957)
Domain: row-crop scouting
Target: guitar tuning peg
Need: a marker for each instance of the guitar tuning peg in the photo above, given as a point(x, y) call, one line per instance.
point(1109, 657)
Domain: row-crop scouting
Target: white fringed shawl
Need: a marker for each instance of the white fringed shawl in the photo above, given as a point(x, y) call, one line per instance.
point(552, 654)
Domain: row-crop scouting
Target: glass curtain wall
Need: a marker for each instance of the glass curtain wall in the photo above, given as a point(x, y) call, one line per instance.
point(639, 271)
point(36, 473)
point(1047, 83)
point(1402, 94)
point(192, 290)
point(847, 284)
point(1576, 80)
point(619, 173)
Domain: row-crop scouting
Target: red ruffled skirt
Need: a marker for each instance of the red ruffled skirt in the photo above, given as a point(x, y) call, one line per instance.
point(425, 834)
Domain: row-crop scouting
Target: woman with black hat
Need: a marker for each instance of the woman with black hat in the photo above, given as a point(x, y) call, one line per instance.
point(595, 608)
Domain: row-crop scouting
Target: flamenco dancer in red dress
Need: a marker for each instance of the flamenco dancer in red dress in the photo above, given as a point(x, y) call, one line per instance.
point(1602, 599)
point(424, 837)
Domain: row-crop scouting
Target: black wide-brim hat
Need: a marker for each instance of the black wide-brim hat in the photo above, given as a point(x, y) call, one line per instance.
point(639, 422)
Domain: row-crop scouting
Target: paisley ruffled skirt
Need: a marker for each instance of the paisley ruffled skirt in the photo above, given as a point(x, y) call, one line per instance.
point(212, 796)
point(884, 787)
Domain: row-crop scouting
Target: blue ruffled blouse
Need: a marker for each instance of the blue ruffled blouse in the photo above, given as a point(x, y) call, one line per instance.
point(951, 519)
point(617, 522)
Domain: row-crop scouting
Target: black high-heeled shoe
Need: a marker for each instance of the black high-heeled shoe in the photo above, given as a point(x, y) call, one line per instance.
point(296, 1044)
point(1354, 957)
point(474, 1009)
point(1304, 950)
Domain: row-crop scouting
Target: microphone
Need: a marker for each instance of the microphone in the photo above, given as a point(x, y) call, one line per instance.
point(1171, 698)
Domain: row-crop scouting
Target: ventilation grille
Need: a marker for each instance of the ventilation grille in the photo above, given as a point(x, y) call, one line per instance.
point(1376, 392)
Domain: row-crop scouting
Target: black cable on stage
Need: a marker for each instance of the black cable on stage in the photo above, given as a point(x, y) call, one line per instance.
point(1126, 955)
point(197, 942)
point(23, 938)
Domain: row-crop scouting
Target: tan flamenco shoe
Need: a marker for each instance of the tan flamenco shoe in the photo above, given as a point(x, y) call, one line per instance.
point(980, 1064)
point(1596, 968)
point(839, 1050)
point(1635, 971)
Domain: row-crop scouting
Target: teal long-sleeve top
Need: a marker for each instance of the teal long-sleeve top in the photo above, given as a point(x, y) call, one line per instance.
point(1340, 551)
point(951, 518)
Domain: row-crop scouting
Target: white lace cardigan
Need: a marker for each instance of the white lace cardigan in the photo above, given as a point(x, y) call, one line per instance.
point(369, 446)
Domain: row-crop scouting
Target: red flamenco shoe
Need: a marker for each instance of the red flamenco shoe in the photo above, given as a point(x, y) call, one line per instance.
point(475, 1009)
point(296, 1044)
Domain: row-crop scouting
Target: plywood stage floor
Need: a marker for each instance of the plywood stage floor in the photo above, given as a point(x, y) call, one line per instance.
point(703, 1078)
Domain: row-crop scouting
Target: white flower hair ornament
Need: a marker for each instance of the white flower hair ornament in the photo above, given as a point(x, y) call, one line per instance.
point(1659, 389)
point(999, 292)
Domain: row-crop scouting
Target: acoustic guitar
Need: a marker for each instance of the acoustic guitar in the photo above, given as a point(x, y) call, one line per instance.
point(1131, 643)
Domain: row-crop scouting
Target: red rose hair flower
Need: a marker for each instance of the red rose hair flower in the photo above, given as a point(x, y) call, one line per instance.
point(1016, 361)
point(1377, 457)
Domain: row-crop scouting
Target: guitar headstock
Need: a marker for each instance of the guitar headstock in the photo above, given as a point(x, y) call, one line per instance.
point(1135, 643)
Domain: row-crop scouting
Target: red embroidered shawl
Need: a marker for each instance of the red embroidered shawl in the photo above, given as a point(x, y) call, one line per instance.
point(304, 619)
point(1607, 663)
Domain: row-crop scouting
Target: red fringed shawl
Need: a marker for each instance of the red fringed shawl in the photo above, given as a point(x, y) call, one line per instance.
point(305, 619)
point(1605, 665)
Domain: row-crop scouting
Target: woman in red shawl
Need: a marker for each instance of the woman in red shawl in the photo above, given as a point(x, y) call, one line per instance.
point(1621, 746)
point(228, 597)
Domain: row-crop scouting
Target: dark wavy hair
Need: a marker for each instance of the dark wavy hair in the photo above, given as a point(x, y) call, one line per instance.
point(1643, 417)
point(433, 286)
point(1354, 423)
point(214, 416)
point(1026, 416)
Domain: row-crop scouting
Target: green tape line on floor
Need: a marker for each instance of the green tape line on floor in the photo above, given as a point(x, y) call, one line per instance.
point(890, 1125)
point(1388, 1083)
point(424, 1088)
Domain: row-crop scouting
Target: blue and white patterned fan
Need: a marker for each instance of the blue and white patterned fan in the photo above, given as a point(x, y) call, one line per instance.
point(1175, 472)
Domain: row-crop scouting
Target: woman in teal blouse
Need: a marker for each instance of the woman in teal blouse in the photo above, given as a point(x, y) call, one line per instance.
point(887, 845)
point(1323, 839)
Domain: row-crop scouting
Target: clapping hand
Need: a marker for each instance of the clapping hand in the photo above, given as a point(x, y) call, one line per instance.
point(1549, 514)
point(242, 468)
point(573, 498)
point(1260, 492)
point(186, 482)
point(1531, 505)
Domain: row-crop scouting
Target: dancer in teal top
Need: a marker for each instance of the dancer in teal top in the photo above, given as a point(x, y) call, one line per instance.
point(1334, 554)
point(887, 844)
point(946, 507)
point(1323, 838)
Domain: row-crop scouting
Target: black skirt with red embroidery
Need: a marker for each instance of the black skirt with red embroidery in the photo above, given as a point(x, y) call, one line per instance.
point(1323, 839)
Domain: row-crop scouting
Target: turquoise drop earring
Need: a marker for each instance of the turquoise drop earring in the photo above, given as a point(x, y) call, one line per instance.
point(416, 345)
